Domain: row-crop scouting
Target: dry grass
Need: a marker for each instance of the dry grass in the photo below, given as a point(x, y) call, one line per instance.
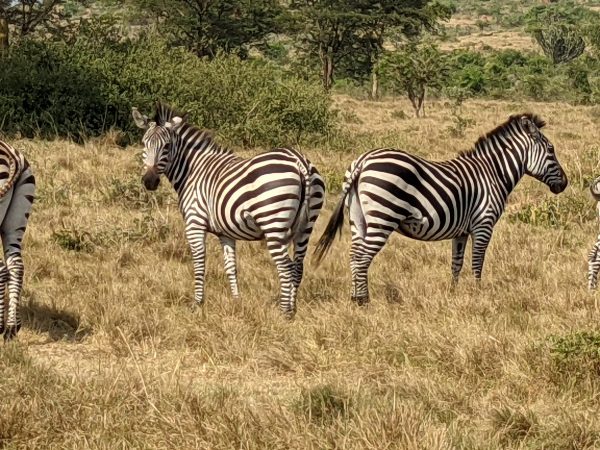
point(112, 356)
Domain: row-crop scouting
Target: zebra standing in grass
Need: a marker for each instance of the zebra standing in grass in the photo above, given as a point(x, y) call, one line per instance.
point(275, 196)
point(594, 255)
point(17, 187)
point(388, 190)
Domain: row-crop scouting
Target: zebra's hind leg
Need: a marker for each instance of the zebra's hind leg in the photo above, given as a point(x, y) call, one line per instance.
point(12, 230)
point(594, 266)
point(362, 252)
point(228, 246)
point(15, 285)
point(301, 240)
point(3, 281)
point(285, 270)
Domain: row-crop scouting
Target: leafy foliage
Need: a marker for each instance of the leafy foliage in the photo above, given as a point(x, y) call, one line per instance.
point(46, 17)
point(209, 27)
point(338, 31)
point(88, 87)
point(560, 28)
point(560, 43)
point(413, 70)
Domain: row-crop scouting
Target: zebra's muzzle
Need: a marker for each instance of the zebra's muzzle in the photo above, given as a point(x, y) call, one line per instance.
point(557, 188)
point(151, 179)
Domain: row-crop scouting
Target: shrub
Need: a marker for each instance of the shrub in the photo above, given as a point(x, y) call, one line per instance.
point(86, 87)
point(577, 353)
point(561, 212)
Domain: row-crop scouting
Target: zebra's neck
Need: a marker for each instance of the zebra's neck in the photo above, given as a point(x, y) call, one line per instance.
point(194, 148)
point(501, 158)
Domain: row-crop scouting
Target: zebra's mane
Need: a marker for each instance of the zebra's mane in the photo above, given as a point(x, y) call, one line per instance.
point(164, 113)
point(502, 128)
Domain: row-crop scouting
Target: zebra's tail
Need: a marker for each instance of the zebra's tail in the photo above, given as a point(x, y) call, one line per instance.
point(337, 218)
point(303, 215)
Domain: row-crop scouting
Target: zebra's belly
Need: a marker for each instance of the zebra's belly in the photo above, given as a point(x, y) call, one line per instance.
point(421, 230)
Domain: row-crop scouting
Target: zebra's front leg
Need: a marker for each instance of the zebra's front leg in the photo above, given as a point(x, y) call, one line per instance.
point(594, 266)
point(285, 270)
point(3, 280)
point(228, 246)
point(196, 237)
point(481, 240)
point(14, 263)
point(459, 245)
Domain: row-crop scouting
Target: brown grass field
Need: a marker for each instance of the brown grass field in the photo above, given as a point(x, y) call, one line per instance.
point(112, 356)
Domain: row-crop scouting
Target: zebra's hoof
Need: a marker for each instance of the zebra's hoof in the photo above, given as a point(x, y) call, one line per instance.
point(288, 315)
point(361, 301)
point(196, 307)
point(11, 332)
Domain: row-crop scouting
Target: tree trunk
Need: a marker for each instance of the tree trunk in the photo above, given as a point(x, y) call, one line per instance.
point(4, 42)
point(374, 86)
point(326, 57)
point(328, 80)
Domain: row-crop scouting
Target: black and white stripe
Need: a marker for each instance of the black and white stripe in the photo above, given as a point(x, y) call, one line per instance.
point(594, 254)
point(388, 190)
point(275, 196)
point(17, 189)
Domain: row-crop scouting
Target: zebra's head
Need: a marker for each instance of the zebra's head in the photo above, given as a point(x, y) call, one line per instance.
point(541, 162)
point(158, 141)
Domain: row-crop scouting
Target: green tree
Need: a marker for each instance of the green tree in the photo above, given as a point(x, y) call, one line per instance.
point(206, 27)
point(27, 17)
point(338, 30)
point(413, 70)
point(561, 29)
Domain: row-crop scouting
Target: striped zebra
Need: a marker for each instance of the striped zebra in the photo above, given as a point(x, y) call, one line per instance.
point(17, 188)
point(275, 196)
point(388, 190)
point(594, 254)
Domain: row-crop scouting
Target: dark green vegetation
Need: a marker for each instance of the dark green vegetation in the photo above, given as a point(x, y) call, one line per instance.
point(260, 72)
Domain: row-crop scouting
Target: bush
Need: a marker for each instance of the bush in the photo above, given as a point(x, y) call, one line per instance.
point(577, 353)
point(558, 213)
point(86, 87)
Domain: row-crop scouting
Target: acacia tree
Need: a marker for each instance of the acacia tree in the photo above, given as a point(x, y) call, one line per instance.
point(26, 17)
point(339, 30)
point(413, 70)
point(206, 27)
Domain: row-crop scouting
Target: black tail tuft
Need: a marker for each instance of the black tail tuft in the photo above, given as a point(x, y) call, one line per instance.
point(334, 226)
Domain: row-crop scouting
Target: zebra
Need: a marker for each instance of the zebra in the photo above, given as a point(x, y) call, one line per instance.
point(17, 189)
point(275, 196)
point(594, 254)
point(389, 190)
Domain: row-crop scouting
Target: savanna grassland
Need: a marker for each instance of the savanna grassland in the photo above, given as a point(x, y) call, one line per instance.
point(113, 356)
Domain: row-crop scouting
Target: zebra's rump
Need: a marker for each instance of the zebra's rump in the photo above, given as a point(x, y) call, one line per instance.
point(263, 195)
point(418, 198)
point(12, 164)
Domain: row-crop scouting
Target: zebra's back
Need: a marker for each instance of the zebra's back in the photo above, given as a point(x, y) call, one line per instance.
point(419, 198)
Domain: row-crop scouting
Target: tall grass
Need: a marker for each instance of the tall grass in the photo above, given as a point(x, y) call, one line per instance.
point(113, 356)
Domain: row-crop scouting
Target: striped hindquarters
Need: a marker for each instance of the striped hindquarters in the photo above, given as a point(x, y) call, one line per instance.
point(421, 199)
point(12, 164)
point(269, 194)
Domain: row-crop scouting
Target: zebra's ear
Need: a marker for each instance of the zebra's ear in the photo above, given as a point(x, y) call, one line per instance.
point(530, 127)
point(140, 120)
point(175, 123)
